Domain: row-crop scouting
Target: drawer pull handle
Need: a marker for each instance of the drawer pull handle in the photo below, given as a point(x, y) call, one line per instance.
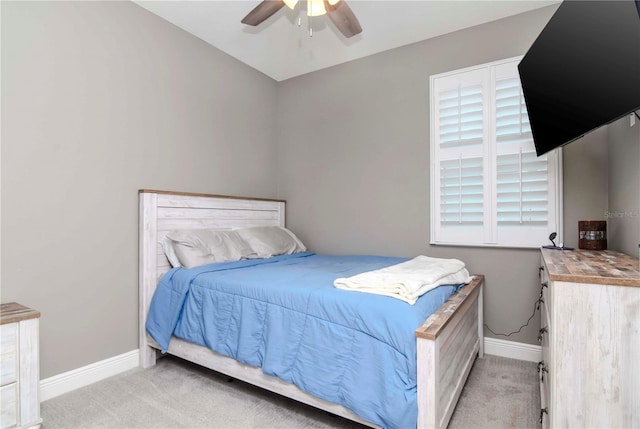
point(542, 368)
point(543, 411)
point(541, 333)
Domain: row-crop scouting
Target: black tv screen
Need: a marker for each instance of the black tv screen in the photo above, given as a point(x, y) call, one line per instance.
point(583, 70)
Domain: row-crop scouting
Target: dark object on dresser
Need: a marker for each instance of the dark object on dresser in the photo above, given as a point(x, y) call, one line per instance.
point(592, 234)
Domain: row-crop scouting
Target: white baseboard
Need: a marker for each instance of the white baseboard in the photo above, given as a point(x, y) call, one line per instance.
point(80, 377)
point(512, 349)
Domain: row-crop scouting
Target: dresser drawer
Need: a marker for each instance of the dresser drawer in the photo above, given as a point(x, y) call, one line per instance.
point(545, 332)
point(8, 353)
point(9, 406)
point(545, 284)
point(543, 376)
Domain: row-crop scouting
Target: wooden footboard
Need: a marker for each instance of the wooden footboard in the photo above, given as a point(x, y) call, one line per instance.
point(448, 342)
point(252, 375)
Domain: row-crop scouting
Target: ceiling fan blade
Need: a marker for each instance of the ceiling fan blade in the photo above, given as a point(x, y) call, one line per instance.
point(343, 18)
point(263, 11)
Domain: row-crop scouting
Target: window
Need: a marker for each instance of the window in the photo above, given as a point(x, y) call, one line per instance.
point(488, 187)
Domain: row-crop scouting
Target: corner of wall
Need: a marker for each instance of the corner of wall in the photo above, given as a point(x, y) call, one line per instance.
point(623, 216)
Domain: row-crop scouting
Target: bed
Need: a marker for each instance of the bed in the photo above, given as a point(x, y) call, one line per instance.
point(446, 343)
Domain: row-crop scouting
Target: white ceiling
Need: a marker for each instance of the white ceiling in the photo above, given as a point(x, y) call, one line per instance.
point(280, 49)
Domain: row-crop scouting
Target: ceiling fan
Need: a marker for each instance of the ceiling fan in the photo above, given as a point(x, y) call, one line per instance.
point(338, 11)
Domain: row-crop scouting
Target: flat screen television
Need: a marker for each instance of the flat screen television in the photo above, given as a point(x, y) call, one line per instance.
point(583, 70)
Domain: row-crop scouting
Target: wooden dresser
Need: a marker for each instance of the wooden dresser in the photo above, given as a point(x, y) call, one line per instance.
point(19, 367)
point(590, 336)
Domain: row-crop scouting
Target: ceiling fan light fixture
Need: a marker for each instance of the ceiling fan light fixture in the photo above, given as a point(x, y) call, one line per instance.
point(291, 4)
point(315, 8)
point(338, 12)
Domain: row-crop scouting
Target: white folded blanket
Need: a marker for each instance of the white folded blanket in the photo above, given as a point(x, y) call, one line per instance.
point(408, 280)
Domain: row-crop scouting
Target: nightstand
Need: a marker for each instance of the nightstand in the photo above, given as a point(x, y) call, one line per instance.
point(19, 367)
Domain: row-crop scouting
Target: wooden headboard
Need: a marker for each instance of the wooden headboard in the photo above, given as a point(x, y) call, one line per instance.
point(163, 211)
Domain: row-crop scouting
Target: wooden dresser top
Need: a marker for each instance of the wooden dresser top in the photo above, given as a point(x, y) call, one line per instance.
point(605, 267)
point(12, 312)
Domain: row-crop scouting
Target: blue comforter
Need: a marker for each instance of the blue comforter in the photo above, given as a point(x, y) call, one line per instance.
point(283, 314)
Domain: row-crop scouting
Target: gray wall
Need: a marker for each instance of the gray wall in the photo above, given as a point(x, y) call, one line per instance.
point(99, 100)
point(623, 226)
point(586, 184)
point(353, 152)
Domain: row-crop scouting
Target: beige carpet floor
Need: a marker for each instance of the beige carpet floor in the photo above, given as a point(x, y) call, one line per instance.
point(500, 393)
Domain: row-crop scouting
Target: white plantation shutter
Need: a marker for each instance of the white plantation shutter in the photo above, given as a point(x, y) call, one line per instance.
point(459, 105)
point(488, 185)
point(461, 191)
point(512, 121)
point(522, 190)
point(460, 113)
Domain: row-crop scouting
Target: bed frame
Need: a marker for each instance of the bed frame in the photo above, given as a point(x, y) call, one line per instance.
point(447, 342)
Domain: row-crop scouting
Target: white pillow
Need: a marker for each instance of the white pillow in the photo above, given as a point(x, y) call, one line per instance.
point(169, 252)
point(195, 247)
point(268, 241)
